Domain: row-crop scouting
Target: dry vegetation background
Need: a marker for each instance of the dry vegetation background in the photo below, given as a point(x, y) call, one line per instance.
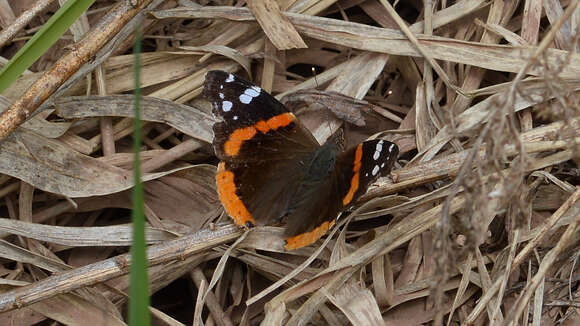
point(476, 225)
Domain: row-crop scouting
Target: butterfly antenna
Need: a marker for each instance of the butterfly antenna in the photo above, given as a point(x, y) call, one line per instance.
point(317, 85)
point(314, 75)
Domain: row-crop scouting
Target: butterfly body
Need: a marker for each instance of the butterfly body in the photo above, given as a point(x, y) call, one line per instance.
point(272, 169)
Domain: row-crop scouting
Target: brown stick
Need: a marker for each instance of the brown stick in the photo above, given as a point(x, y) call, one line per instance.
point(80, 53)
point(10, 32)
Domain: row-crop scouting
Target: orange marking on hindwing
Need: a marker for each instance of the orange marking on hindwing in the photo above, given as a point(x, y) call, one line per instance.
point(305, 239)
point(237, 138)
point(231, 201)
point(354, 182)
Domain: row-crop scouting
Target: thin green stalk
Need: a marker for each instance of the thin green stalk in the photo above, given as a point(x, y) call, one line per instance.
point(50, 32)
point(139, 288)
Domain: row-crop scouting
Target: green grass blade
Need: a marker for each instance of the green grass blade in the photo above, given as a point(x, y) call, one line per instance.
point(139, 289)
point(50, 32)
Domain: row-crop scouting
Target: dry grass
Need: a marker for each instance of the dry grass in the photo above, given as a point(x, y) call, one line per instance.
point(477, 224)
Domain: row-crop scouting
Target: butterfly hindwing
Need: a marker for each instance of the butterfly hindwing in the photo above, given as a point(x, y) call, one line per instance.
point(354, 171)
point(362, 165)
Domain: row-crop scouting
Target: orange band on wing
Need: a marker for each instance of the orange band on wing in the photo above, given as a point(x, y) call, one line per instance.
point(239, 136)
point(305, 239)
point(354, 182)
point(227, 192)
point(234, 143)
point(281, 120)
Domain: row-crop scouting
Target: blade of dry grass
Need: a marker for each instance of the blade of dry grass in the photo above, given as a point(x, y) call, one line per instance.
point(294, 272)
point(275, 25)
point(354, 80)
point(389, 41)
point(228, 52)
point(566, 240)
point(118, 235)
point(19, 23)
point(19, 254)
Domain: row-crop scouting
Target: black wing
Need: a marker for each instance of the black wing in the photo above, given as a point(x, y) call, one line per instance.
point(262, 146)
point(355, 170)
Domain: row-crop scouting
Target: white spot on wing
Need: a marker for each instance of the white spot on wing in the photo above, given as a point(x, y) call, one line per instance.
point(246, 99)
point(249, 94)
point(226, 106)
point(222, 96)
point(235, 117)
point(378, 150)
point(391, 147)
point(230, 78)
point(382, 165)
point(257, 89)
point(375, 170)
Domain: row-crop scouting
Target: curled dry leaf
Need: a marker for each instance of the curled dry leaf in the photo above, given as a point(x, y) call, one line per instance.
point(344, 107)
point(187, 119)
point(50, 165)
point(193, 187)
point(358, 304)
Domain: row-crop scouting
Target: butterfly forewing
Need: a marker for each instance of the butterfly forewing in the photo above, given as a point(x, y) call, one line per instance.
point(255, 126)
point(260, 144)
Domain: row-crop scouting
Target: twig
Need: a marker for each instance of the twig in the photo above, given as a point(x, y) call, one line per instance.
point(101, 271)
point(67, 65)
point(9, 32)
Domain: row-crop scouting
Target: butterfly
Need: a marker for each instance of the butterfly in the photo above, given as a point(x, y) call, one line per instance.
point(272, 169)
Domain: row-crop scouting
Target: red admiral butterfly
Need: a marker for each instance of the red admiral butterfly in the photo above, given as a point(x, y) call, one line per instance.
point(272, 168)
